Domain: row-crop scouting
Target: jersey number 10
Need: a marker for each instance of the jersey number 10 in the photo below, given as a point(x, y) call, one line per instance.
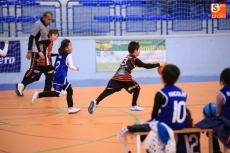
point(178, 107)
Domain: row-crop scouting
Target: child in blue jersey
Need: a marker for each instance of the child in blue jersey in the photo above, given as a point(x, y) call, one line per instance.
point(222, 103)
point(171, 100)
point(60, 83)
point(188, 142)
point(223, 96)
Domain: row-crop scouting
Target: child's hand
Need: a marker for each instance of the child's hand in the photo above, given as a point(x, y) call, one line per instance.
point(6, 41)
point(162, 63)
point(41, 55)
point(77, 69)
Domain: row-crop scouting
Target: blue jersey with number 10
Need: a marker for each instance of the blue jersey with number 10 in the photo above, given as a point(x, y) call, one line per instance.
point(173, 112)
point(60, 70)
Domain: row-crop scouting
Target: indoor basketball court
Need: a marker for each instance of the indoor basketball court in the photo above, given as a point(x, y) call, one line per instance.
point(46, 126)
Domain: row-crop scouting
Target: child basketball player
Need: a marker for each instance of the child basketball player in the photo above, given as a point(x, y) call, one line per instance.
point(60, 83)
point(171, 100)
point(223, 96)
point(43, 64)
point(190, 142)
point(222, 102)
point(123, 79)
point(3, 52)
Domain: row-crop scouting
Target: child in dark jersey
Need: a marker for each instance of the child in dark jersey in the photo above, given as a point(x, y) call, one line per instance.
point(123, 78)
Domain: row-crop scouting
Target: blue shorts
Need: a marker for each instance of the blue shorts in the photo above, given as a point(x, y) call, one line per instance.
point(60, 87)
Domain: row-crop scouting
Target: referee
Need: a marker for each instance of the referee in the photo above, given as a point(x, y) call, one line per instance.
point(40, 31)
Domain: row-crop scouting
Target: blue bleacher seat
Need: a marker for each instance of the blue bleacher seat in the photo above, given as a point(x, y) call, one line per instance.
point(12, 2)
point(187, 17)
point(134, 23)
point(142, 18)
point(8, 18)
point(119, 18)
point(2, 3)
point(222, 24)
point(95, 3)
point(31, 14)
point(91, 19)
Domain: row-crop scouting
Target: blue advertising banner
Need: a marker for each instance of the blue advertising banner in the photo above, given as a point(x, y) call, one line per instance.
point(12, 61)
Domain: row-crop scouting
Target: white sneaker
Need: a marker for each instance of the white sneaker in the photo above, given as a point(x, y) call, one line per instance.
point(73, 110)
point(34, 97)
point(136, 108)
point(20, 88)
point(62, 93)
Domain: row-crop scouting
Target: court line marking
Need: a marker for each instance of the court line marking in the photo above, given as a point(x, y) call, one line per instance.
point(55, 113)
point(89, 142)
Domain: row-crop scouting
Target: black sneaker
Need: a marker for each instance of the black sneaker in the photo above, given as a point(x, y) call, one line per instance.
point(91, 107)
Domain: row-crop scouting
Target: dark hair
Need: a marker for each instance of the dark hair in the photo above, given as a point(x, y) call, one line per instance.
point(64, 44)
point(170, 74)
point(189, 119)
point(46, 13)
point(53, 31)
point(225, 76)
point(133, 45)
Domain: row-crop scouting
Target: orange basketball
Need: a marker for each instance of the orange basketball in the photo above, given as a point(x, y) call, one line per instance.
point(160, 69)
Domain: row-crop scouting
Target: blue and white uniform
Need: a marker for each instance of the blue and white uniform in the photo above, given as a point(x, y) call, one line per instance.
point(173, 112)
point(62, 63)
point(225, 110)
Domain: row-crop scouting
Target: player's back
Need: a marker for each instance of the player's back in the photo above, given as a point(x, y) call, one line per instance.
point(60, 70)
point(173, 112)
point(226, 107)
point(188, 143)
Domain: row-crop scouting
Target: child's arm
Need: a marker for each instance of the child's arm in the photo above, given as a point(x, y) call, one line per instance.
point(5, 50)
point(159, 100)
point(54, 54)
point(139, 63)
point(219, 103)
point(42, 42)
point(70, 63)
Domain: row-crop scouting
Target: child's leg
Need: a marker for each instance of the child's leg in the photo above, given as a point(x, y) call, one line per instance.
point(69, 97)
point(104, 94)
point(136, 92)
point(133, 87)
point(48, 94)
point(49, 78)
point(216, 146)
point(110, 89)
point(215, 143)
point(37, 95)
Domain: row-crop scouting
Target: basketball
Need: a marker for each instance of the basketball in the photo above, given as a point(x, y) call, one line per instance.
point(160, 69)
point(209, 110)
